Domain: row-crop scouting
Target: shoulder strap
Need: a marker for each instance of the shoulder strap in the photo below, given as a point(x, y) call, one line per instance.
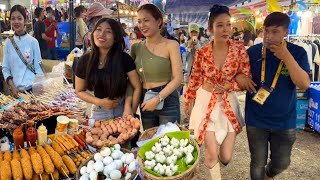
point(30, 67)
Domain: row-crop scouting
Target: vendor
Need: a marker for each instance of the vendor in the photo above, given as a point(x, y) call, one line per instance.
point(105, 70)
point(20, 63)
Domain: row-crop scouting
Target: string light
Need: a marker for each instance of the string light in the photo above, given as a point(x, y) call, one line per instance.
point(232, 19)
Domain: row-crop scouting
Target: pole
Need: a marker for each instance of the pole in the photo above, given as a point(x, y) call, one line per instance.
point(118, 10)
point(71, 40)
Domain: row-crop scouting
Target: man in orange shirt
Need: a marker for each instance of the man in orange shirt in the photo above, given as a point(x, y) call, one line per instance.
point(52, 32)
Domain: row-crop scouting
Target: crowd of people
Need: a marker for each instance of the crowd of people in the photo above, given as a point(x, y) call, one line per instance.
point(117, 83)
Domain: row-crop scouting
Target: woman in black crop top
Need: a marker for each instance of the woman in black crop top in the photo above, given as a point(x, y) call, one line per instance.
point(105, 71)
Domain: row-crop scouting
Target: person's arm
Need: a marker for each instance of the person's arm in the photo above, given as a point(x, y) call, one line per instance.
point(136, 85)
point(48, 27)
point(81, 91)
point(6, 71)
point(298, 75)
point(243, 69)
point(42, 27)
point(37, 58)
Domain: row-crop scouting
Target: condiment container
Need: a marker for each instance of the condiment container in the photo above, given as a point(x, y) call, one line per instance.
point(42, 135)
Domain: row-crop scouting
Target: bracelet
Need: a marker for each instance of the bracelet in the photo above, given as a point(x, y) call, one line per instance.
point(160, 98)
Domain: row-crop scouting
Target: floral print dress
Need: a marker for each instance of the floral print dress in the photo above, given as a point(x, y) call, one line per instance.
point(205, 71)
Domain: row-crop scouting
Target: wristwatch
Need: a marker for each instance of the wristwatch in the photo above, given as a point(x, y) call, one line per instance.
point(160, 98)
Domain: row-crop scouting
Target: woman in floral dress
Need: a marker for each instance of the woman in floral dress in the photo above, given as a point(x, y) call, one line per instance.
point(216, 117)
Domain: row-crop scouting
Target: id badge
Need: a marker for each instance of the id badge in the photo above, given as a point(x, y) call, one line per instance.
point(262, 95)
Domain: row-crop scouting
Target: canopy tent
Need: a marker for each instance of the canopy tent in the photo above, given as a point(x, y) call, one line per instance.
point(194, 11)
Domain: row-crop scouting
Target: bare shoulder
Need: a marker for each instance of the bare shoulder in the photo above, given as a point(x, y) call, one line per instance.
point(171, 43)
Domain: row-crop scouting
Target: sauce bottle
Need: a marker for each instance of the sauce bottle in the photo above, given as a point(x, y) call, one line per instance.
point(18, 138)
point(31, 136)
point(42, 135)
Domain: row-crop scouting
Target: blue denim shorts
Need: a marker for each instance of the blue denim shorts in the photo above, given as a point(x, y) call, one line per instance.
point(100, 113)
point(169, 113)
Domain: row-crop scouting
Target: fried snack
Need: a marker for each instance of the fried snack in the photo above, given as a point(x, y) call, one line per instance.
point(16, 155)
point(16, 167)
point(48, 148)
point(46, 161)
point(6, 170)
point(47, 164)
point(64, 170)
point(7, 156)
point(32, 150)
point(57, 148)
point(70, 164)
point(45, 176)
point(40, 150)
point(37, 163)
point(55, 174)
point(24, 154)
point(56, 159)
point(27, 168)
point(35, 176)
point(1, 156)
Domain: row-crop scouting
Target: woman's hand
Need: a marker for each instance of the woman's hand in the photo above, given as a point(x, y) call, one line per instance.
point(14, 91)
point(108, 103)
point(223, 88)
point(151, 104)
point(246, 83)
point(187, 110)
point(127, 111)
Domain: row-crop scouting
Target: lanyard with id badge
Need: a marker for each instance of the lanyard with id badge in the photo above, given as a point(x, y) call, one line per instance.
point(264, 92)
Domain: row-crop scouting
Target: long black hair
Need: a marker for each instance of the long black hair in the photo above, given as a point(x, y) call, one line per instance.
point(114, 78)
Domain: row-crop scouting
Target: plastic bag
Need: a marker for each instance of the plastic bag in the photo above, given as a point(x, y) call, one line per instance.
point(47, 81)
point(59, 68)
point(163, 129)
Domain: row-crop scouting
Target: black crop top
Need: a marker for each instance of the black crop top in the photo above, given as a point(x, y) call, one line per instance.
point(99, 88)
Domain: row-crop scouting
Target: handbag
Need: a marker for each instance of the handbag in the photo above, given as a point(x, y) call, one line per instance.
point(149, 94)
point(29, 66)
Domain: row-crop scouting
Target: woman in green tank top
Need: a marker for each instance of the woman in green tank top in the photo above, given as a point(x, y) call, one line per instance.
point(159, 65)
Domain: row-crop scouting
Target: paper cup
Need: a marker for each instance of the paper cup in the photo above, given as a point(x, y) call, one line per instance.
point(62, 123)
point(73, 124)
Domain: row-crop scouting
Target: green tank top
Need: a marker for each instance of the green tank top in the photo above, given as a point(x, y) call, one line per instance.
point(150, 67)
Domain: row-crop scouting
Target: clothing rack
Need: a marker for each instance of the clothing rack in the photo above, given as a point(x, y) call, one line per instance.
point(310, 39)
point(302, 36)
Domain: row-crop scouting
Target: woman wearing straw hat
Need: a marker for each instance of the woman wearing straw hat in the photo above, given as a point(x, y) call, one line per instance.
point(95, 12)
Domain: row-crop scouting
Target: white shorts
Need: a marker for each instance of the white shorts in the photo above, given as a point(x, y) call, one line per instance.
point(219, 122)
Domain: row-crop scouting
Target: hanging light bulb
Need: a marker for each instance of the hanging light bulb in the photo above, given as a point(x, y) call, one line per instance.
point(132, 13)
point(232, 19)
point(259, 19)
point(121, 11)
point(257, 12)
point(127, 12)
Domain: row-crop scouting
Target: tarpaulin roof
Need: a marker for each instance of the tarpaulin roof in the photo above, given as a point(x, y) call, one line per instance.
point(195, 11)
